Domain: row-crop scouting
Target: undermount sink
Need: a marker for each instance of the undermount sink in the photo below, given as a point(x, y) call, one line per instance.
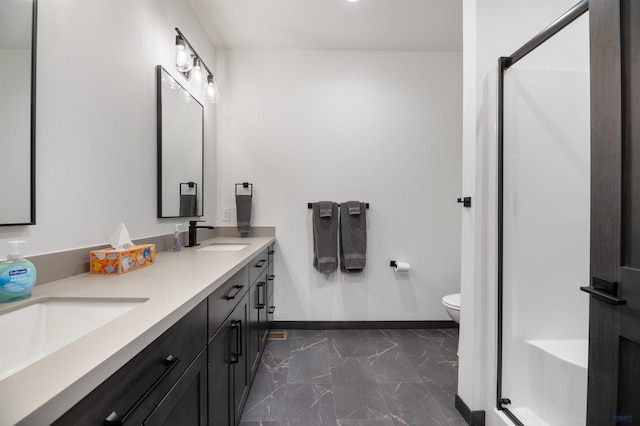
point(43, 326)
point(223, 247)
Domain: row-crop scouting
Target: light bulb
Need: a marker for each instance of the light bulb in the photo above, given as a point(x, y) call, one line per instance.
point(211, 94)
point(197, 78)
point(183, 57)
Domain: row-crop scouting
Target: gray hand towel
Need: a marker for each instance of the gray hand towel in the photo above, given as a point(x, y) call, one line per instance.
point(187, 205)
point(326, 208)
point(243, 214)
point(325, 237)
point(353, 236)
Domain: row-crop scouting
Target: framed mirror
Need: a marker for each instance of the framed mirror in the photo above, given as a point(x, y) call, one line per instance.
point(180, 149)
point(17, 111)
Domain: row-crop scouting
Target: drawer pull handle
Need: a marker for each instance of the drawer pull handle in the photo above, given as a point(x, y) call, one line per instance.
point(261, 305)
point(272, 309)
point(236, 326)
point(260, 263)
point(271, 277)
point(114, 419)
point(272, 252)
point(237, 289)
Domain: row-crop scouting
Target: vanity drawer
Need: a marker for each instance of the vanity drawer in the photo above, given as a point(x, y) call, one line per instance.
point(132, 392)
point(258, 265)
point(225, 298)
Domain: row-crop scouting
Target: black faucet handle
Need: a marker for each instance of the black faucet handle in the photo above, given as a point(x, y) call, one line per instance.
point(194, 222)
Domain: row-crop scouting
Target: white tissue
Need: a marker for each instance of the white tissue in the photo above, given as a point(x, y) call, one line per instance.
point(120, 239)
point(402, 267)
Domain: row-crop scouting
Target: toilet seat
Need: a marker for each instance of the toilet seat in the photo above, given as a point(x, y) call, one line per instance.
point(452, 301)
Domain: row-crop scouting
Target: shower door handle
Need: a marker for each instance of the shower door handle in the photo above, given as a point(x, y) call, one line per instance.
point(606, 291)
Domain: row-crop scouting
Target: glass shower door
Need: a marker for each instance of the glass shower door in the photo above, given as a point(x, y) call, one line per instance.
point(545, 231)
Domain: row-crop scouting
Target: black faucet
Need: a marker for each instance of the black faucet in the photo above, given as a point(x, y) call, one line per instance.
point(193, 235)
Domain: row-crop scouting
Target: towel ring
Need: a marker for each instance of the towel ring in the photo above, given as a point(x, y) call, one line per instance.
point(189, 185)
point(245, 185)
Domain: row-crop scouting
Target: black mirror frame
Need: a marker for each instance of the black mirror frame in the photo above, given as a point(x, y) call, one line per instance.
point(32, 142)
point(200, 210)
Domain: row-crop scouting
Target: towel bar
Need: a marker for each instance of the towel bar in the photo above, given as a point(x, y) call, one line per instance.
point(310, 205)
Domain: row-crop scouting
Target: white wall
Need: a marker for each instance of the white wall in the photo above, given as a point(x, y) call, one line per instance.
point(492, 28)
point(96, 119)
point(379, 127)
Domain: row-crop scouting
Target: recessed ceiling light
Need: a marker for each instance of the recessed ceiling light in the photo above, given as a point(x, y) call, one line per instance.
point(352, 1)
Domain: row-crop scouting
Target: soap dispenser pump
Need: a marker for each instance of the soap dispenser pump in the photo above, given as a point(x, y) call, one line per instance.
point(17, 275)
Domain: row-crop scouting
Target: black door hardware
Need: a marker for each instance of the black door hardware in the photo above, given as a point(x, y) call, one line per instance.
point(606, 291)
point(466, 201)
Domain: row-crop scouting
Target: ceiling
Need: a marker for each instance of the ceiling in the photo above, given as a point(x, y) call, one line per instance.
point(422, 25)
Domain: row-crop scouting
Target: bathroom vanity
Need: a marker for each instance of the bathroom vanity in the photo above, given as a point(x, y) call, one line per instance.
point(185, 354)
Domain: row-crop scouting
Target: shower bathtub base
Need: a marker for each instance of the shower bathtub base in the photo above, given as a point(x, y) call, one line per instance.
point(557, 378)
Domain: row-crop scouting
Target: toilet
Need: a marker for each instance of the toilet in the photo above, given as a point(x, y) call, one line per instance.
point(451, 303)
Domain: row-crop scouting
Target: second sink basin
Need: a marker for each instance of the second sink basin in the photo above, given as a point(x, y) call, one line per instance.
point(223, 247)
point(43, 326)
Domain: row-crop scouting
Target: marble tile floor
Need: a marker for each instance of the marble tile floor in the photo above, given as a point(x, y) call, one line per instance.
point(357, 378)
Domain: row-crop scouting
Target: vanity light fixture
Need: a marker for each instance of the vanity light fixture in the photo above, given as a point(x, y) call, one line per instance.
point(211, 93)
point(183, 57)
point(196, 75)
point(193, 68)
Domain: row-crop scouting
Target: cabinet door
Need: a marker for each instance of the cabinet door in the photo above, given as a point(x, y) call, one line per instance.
point(258, 265)
point(257, 320)
point(239, 358)
point(225, 298)
point(186, 402)
point(129, 395)
point(270, 308)
point(220, 397)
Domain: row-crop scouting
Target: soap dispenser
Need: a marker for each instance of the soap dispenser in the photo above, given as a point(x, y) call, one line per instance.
point(177, 238)
point(17, 275)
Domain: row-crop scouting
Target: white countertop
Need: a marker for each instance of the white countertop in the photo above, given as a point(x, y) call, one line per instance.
point(174, 284)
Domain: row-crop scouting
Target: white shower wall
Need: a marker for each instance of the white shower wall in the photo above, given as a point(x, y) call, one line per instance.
point(375, 126)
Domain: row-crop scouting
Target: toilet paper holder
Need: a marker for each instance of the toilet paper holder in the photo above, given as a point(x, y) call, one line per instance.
point(401, 267)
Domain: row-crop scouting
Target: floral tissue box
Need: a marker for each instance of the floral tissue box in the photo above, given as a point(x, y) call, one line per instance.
point(111, 261)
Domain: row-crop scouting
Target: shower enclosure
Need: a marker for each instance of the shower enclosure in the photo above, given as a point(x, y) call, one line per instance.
point(544, 196)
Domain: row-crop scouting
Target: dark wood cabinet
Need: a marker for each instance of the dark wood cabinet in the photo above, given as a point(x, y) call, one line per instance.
point(237, 346)
point(186, 403)
point(220, 396)
point(199, 372)
point(257, 317)
point(270, 306)
point(240, 357)
point(229, 368)
point(146, 382)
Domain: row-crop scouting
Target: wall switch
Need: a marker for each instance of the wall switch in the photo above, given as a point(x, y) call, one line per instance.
point(226, 215)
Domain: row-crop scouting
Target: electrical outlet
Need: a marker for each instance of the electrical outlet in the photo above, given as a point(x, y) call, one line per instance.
point(226, 215)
